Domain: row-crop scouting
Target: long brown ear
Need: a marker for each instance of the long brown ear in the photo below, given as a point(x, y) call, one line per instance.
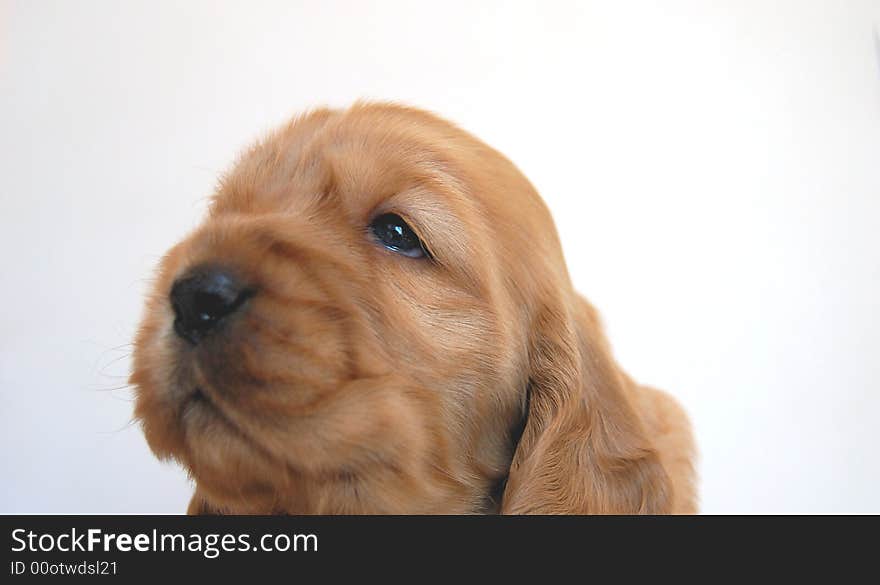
point(583, 450)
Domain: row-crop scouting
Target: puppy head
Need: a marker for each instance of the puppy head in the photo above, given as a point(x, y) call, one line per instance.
point(356, 325)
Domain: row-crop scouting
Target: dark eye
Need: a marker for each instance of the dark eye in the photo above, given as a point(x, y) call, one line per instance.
point(392, 232)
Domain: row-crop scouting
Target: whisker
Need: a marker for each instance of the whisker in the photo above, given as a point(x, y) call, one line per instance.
point(124, 427)
point(114, 388)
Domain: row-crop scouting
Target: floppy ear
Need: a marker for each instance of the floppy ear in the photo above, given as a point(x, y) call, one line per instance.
point(583, 449)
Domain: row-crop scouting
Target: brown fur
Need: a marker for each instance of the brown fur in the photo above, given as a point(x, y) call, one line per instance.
point(360, 381)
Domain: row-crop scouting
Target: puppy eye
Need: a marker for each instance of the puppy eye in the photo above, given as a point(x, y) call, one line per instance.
point(392, 232)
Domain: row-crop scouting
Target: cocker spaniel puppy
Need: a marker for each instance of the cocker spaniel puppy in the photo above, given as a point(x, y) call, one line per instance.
point(375, 317)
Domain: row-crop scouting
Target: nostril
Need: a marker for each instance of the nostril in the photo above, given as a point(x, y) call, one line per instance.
point(203, 298)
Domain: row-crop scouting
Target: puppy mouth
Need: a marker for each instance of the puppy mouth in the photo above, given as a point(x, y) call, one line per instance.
point(203, 417)
point(198, 406)
point(200, 413)
point(198, 396)
point(197, 399)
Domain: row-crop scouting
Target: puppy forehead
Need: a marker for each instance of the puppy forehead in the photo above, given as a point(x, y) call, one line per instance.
point(365, 160)
point(371, 154)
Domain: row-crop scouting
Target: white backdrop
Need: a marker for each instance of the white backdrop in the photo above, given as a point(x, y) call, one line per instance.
point(713, 167)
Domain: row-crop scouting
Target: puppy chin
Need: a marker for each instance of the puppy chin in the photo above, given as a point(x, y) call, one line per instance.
point(233, 471)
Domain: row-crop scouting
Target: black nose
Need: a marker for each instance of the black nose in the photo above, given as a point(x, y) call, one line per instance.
point(203, 298)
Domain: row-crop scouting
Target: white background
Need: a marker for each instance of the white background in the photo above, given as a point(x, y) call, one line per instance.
point(713, 167)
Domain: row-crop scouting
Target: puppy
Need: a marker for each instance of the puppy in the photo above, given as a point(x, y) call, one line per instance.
point(375, 317)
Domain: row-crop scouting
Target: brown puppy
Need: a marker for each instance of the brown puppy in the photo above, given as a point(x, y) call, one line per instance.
point(375, 317)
